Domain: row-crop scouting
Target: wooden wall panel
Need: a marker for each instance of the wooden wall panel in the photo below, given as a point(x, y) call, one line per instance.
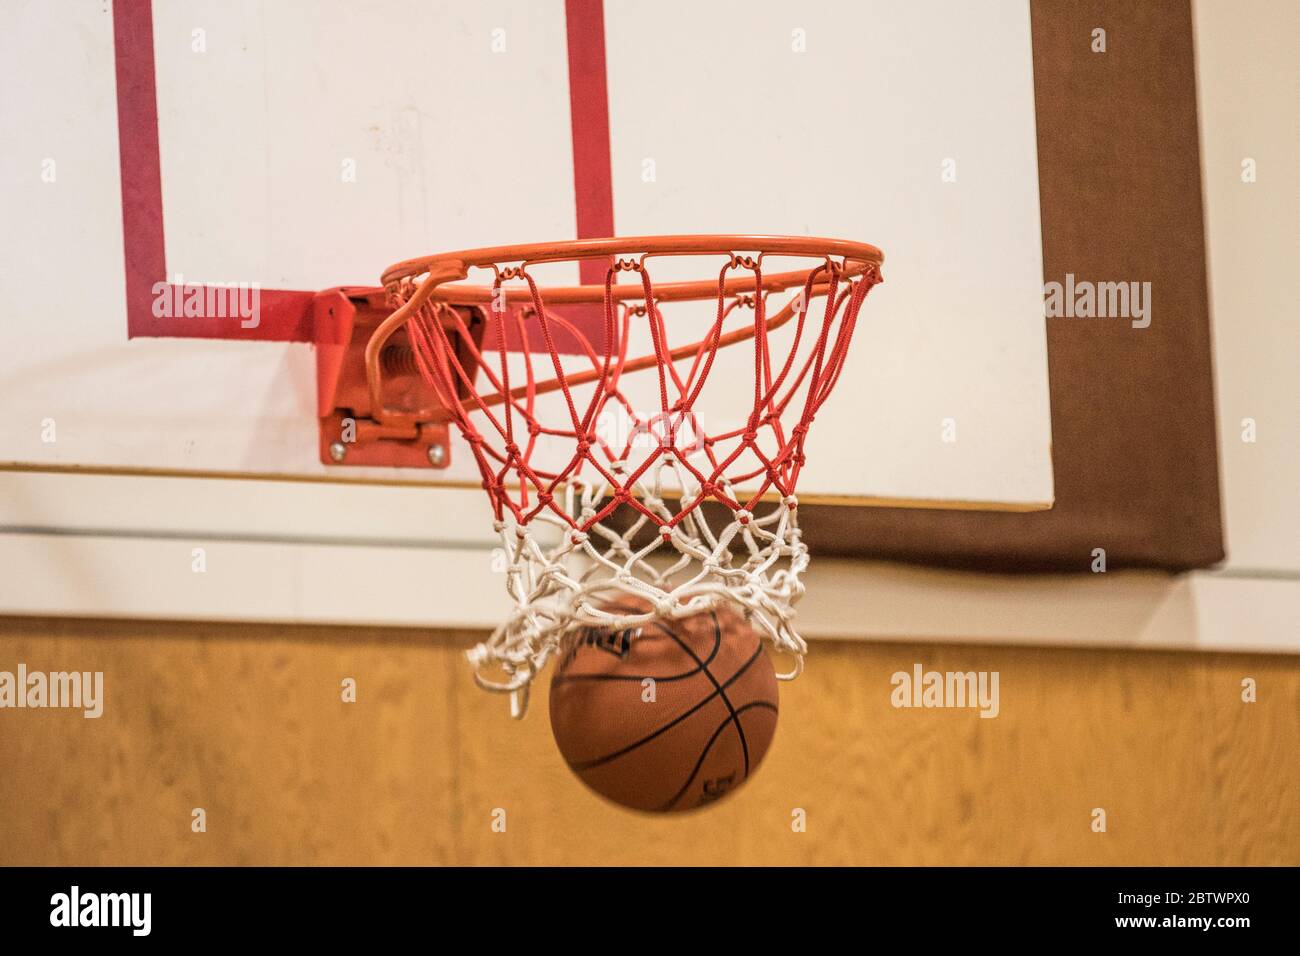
point(246, 721)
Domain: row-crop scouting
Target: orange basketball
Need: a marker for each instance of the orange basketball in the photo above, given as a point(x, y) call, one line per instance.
point(667, 716)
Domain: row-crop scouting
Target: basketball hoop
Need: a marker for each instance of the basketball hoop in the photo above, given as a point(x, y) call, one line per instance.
point(675, 511)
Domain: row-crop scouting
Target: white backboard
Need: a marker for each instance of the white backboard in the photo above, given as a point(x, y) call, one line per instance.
point(302, 146)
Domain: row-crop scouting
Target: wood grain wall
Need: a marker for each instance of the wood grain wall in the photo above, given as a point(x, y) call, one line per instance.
point(246, 722)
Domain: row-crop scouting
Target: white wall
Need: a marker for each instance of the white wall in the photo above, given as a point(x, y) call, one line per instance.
point(1248, 83)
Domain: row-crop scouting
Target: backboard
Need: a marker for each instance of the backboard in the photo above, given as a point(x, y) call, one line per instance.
point(290, 147)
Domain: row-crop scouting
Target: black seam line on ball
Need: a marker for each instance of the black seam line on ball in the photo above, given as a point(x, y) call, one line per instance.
point(588, 764)
point(699, 763)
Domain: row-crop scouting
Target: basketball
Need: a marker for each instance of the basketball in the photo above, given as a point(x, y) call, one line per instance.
point(668, 716)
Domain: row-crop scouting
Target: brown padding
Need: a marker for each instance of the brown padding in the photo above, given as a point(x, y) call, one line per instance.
point(1133, 424)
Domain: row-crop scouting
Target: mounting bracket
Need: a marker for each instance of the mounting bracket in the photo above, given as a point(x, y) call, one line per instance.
point(351, 432)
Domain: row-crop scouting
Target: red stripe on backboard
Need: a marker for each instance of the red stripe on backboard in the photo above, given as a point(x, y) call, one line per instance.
point(286, 315)
point(137, 130)
point(593, 186)
point(589, 106)
point(282, 315)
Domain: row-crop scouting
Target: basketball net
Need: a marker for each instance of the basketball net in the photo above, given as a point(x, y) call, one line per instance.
point(670, 513)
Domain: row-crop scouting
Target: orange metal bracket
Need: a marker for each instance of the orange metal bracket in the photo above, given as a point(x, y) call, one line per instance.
point(409, 431)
